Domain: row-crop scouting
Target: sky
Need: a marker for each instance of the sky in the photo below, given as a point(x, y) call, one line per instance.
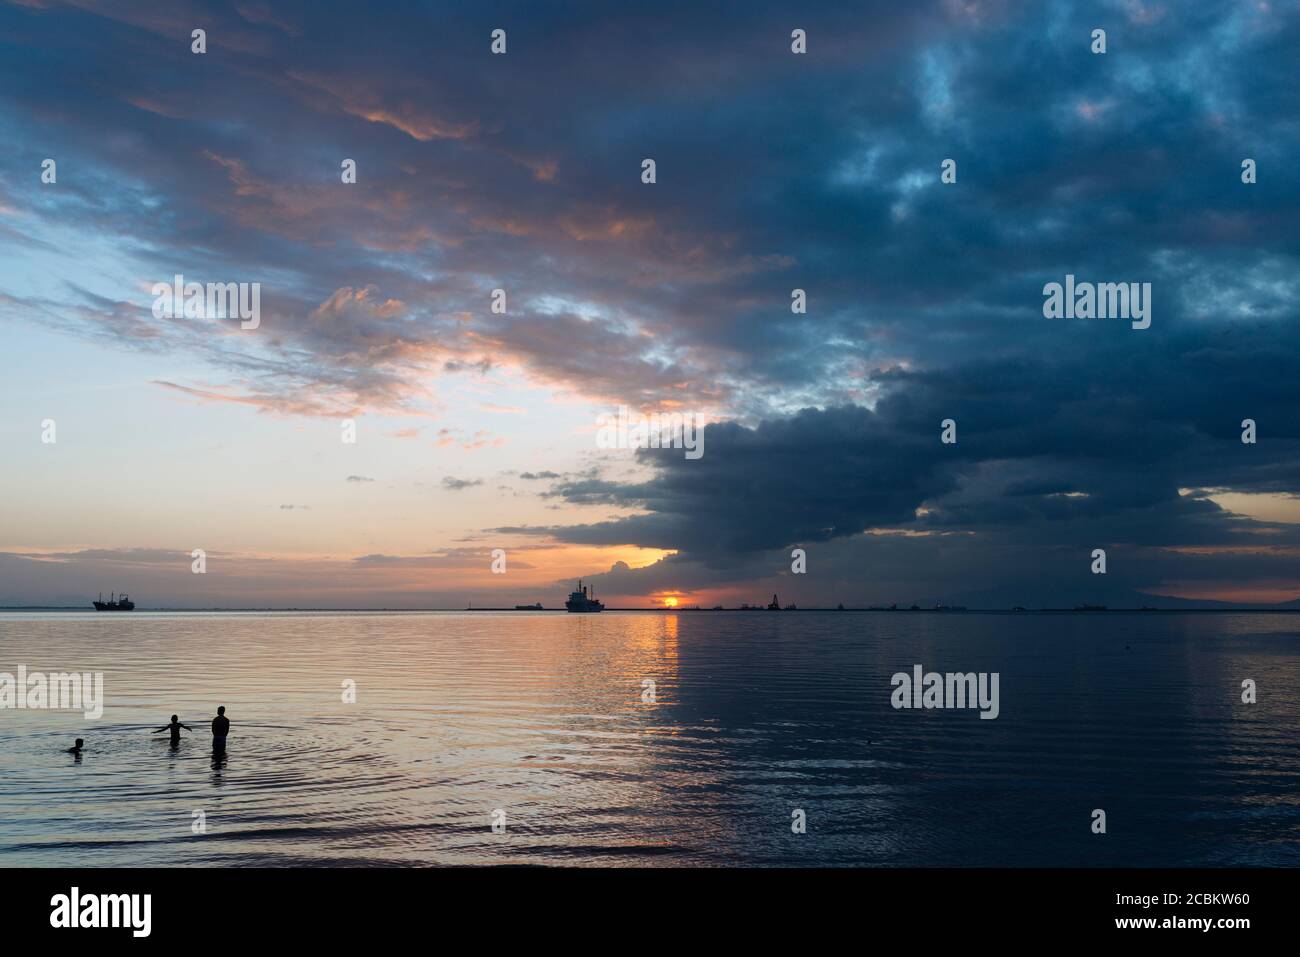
point(478, 430)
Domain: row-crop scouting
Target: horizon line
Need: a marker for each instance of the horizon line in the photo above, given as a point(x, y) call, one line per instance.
point(1015, 610)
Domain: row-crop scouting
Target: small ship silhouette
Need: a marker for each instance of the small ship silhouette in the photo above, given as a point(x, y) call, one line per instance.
point(580, 601)
point(120, 603)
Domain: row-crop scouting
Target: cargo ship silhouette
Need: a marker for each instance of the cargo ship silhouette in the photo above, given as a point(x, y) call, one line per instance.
point(122, 603)
point(580, 601)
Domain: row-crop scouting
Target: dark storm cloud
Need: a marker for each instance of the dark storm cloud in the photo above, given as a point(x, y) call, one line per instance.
point(1054, 457)
point(1038, 440)
point(819, 172)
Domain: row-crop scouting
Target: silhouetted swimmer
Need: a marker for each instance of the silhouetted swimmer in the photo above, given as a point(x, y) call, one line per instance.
point(75, 750)
point(175, 729)
point(220, 728)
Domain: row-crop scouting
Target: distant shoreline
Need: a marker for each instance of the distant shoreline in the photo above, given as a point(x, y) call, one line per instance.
point(684, 611)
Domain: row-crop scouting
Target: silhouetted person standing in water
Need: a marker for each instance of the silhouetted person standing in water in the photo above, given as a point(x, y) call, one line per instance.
point(220, 728)
point(175, 729)
point(76, 749)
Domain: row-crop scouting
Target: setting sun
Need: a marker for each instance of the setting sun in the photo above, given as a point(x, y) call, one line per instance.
point(670, 602)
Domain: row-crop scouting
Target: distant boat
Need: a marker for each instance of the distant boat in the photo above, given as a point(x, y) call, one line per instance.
point(122, 603)
point(536, 607)
point(580, 601)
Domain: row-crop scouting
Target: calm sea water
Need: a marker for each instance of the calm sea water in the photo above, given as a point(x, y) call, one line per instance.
point(756, 715)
